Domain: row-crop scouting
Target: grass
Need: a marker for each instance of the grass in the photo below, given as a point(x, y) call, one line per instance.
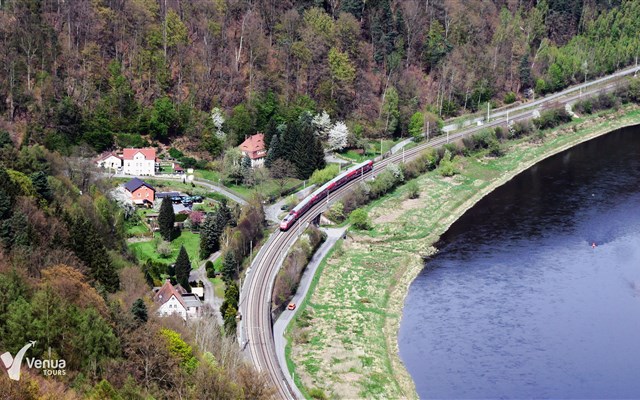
point(147, 250)
point(348, 348)
point(218, 287)
point(372, 150)
point(213, 176)
point(135, 230)
point(269, 188)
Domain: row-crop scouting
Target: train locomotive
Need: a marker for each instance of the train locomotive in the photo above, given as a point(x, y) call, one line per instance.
point(321, 193)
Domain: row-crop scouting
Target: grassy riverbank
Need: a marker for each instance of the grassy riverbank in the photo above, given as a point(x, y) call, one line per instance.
point(344, 342)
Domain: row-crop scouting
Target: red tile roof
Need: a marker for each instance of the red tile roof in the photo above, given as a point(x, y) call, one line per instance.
point(166, 291)
point(148, 152)
point(254, 146)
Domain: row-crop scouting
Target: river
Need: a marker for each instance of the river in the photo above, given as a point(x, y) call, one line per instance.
point(518, 304)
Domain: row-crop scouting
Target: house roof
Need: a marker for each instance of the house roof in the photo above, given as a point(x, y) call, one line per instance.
point(135, 184)
point(191, 300)
point(166, 292)
point(148, 152)
point(252, 145)
point(106, 155)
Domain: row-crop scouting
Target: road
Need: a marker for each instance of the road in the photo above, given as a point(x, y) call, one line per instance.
point(210, 298)
point(256, 328)
point(201, 182)
point(333, 234)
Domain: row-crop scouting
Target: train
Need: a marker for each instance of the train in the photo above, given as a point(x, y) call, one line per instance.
point(321, 193)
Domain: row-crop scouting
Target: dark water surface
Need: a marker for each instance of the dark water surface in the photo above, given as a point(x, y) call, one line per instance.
point(518, 304)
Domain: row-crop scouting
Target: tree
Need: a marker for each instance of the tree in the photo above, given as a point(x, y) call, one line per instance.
point(139, 311)
point(360, 219)
point(183, 269)
point(229, 266)
point(240, 124)
point(41, 185)
point(212, 230)
point(338, 136)
point(274, 153)
point(281, 170)
point(390, 112)
point(416, 125)
point(164, 120)
point(166, 219)
point(322, 123)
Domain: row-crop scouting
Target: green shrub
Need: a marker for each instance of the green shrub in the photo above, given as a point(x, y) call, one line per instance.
point(175, 153)
point(317, 394)
point(360, 219)
point(413, 191)
point(509, 98)
point(320, 176)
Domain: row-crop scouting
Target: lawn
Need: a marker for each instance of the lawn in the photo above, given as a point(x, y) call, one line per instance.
point(147, 250)
point(213, 176)
point(269, 188)
point(218, 287)
point(372, 150)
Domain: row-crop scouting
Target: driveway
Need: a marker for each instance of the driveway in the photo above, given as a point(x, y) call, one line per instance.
point(210, 298)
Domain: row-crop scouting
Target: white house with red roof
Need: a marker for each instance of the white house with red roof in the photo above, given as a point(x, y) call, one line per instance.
point(254, 148)
point(139, 162)
point(175, 300)
point(109, 161)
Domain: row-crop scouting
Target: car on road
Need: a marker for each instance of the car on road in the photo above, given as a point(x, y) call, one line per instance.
point(291, 306)
point(284, 207)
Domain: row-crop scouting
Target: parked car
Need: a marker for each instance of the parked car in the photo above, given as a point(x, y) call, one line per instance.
point(176, 199)
point(284, 207)
point(291, 306)
point(197, 199)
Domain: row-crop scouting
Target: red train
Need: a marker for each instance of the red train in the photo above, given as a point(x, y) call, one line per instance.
point(321, 193)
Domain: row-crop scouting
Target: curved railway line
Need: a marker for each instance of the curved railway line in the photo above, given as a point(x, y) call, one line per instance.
point(256, 326)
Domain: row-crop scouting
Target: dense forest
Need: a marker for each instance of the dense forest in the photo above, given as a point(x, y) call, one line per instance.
point(80, 77)
point(105, 72)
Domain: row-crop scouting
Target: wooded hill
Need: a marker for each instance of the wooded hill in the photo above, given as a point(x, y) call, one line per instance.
point(106, 71)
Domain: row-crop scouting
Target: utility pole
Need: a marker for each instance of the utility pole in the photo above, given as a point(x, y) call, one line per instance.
point(403, 155)
point(428, 130)
point(488, 105)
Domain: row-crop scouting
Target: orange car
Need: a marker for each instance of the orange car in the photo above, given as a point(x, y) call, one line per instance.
point(291, 306)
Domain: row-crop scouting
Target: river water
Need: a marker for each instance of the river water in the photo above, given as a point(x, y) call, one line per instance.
point(518, 304)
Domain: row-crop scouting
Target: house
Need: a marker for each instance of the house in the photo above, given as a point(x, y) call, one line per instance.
point(141, 192)
point(175, 300)
point(109, 161)
point(139, 162)
point(177, 169)
point(254, 148)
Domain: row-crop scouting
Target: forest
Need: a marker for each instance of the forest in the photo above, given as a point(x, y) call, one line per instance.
point(122, 73)
point(81, 77)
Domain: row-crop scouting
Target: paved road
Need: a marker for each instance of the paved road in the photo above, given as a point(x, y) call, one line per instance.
point(256, 329)
point(333, 234)
point(199, 181)
point(210, 298)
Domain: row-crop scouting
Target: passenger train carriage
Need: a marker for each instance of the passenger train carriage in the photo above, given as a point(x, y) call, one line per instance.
point(322, 192)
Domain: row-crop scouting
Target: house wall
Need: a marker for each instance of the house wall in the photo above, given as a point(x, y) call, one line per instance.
point(143, 193)
point(110, 162)
point(139, 166)
point(173, 306)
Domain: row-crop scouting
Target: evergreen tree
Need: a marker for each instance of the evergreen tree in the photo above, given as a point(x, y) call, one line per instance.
point(226, 214)
point(183, 269)
point(139, 311)
point(275, 151)
point(229, 266)
point(87, 245)
point(212, 229)
point(166, 219)
point(41, 185)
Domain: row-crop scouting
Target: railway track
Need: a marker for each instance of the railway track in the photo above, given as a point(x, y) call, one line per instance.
point(256, 326)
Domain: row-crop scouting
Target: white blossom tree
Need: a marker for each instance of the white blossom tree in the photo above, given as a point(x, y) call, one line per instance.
point(218, 120)
point(322, 123)
point(338, 136)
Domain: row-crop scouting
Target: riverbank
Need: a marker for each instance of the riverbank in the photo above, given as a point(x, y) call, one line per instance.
point(345, 338)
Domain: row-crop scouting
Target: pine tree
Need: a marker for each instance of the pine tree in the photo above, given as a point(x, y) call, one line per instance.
point(226, 215)
point(139, 311)
point(275, 151)
point(166, 219)
point(229, 266)
point(87, 245)
point(41, 185)
point(183, 269)
point(212, 230)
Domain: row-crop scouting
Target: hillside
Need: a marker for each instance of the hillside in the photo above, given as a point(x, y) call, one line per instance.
point(105, 72)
